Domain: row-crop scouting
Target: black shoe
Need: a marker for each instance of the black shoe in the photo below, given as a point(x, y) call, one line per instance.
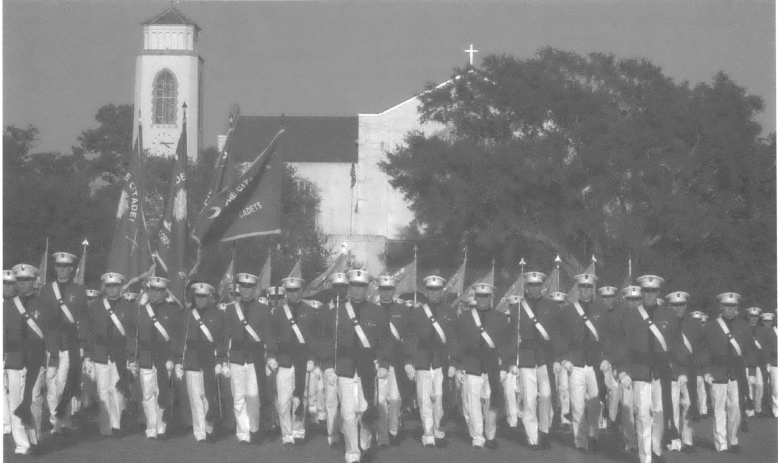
point(116, 433)
point(657, 458)
point(734, 449)
point(585, 451)
point(163, 436)
point(429, 446)
point(593, 444)
point(491, 444)
point(394, 441)
point(441, 443)
point(566, 427)
point(544, 440)
point(688, 449)
point(534, 447)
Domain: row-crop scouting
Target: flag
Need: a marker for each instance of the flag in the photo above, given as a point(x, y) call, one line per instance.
point(488, 278)
point(224, 168)
point(627, 279)
point(573, 295)
point(43, 267)
point(225, 289)
point(173, 234)
point(321, 282)
point(264, 276)
point(551, 285)
point(130, 252)
point(516, 289)
point(406, 279)
point(250, 206)
point(456, 283)
point(353, 175)
point(81, 269)
point(296, 271)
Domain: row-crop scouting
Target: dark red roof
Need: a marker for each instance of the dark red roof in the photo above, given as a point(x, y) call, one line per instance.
point(306, 138)
point(172, 16)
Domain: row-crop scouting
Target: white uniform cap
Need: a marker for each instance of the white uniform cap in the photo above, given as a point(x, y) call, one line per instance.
point(202, 289)
point(515, 299)
point(386, 281)
point(8, 276)
point(358, 277)
point(534, 278)
point(292, 283)
point(276, 291)
point(558, 296)
point(112, 278)
point(483, 289)
point(434, 282)
point(158, 282)
point(314, 303)
point(92, 293)
point(729, 298)
point(262, 300)
point(650, 281)
point(64, 258)
point(753, 311)
point(339, 279)
point(678, 297)
point(608, 291)
point(697, 314)
point(246, 279)
point(130, 296)
point(222, 306)
point(25, 271)
point(768, 316)
point(471, 302)
point(585, 279)
point(632, 292)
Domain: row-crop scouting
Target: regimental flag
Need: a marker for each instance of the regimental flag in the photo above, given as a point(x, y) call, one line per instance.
point(225, 165)
point(406, 279)
point(43, 267)
point(516, 289)
point(226, 290)
point(264, 275)
point(321, 282)
point(456, 283)
point(130, 252)
point(488, 278)
point(551, 285)
point(173, 234)
point(296, 271)
point(627, 280)
point(81, 269)
point(573, 295)
point(250, 206)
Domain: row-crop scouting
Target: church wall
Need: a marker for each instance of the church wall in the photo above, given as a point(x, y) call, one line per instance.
point(334, 185)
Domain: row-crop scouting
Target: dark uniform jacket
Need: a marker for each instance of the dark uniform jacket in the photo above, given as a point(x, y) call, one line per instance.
point(74, 297)
point(470, 351)
point(722, 361)
point(639, 354)
point(105, 340)
point(152, 348)
point(239, 346)
point(423, 346)
point(399, 316)
point(350, 352)
point(534, 350)
point(285, 346)
point(693, 331)
point(759, 351)
point(771, 345)
point(194, 349)
point(577, 343)
point(21, 346)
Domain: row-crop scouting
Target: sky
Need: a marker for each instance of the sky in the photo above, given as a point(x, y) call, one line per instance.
point(63, 60)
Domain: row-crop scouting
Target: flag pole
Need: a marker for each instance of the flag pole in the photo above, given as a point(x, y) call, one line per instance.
point(557, 261)
point(492, 283)
point(415, 272)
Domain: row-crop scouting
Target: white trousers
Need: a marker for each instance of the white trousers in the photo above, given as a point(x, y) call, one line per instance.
point(513, 394)
point(726, 414)
point(54, 388)
point(563, 395)
point(112, 402)
point(773, 370)
point(429, 393)
point(612, 384)
point(245, 396)
point(389, 405)
point(649, 422)
point(481, 419)
point(681, 403)
point(320, 409)
point(536, 397)
point(89, 393)
point(352, 405)
point(332, 405)
point(292, 427)
point(702, 395)
point(198, 403)
point(757, 393)
point(628, 417)
point(150, 390)
point(6, 406)
point(24, 436)
point(585, 400)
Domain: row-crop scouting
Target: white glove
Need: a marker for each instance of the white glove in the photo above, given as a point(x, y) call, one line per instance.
point(752, 380)
point(330, 376)
point(557, 368)
point(460, 376)
point(503, 376)
point(179, 371)
point(169, 366)
point(51, 373)
point(309, 367)
point(605, 366)
point(451, 372)
point(316, 373)
point(226, 370)
point(708, 378)
point(88, 366)
point(133, 368)
point(81, 350)
point(382, 373)
point(272, 363)
point(514, 370)
point(218, 369)
point(626, 381)
point(682, 380)
point(410, 371)
point(567, 365)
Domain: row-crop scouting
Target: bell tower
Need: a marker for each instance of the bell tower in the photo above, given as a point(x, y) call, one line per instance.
point(169, 73)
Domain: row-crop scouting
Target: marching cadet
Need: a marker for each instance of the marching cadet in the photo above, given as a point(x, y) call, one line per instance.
point(771, 351)
point(729, 344)
point(562, 376)
point(66, 300)
point(291, 355)
point(151, 353)
point(89, 394)
point(396, 386)
point(106, 352)
point(317, 406)
point(632, 299)
point(607, 294)
point(649, 338)
point(354, 340)
point(246, 328)
point(481, 353)
point(702, 386)
point(199, 356)
point(9, 291)
point(586, 351)
point(339, 285)
point(537, 321)
point(29, 333)
point(426, 349)
point(756, 377)
point(684, 387)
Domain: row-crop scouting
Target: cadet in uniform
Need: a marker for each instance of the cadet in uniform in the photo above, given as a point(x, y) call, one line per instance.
point(607, 294)
point(89, 394)
point(586, 355)
point(361, 338)
point(246, 328)
point(537, 320)
point(729, 344)
point(106, 352)
point(632, 299)
point(482, 351)
point(290, 354)
point(200, 356)
point(151, 353)
point(702, 386)
point(396, 386)
point(67, 303)
point(317, 405)
point(427, 356)
point(9, 291)
point(339, 286)
point(29, 334)
point(755, 377)
point(771, 351)
point(562, 376)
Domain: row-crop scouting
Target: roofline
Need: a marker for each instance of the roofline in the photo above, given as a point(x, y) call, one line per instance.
point(182, 15)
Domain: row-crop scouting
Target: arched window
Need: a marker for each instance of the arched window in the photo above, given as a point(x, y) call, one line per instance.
point(165, 98)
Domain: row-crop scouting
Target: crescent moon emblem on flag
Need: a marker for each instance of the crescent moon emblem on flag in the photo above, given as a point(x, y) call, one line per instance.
point(216, 212)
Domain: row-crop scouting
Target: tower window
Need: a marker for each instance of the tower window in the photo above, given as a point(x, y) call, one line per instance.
point(165, 89)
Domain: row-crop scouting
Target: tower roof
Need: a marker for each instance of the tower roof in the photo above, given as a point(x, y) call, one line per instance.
point(172, 16)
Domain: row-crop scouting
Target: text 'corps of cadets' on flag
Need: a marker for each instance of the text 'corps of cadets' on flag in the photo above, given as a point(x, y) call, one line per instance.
point(130, 252)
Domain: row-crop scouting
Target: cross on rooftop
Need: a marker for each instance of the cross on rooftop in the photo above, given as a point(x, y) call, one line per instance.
point(471, 52)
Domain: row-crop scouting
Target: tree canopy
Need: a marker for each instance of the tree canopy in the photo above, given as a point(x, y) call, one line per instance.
point(597, 155)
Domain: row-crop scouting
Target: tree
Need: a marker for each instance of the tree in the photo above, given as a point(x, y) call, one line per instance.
point(597, 155)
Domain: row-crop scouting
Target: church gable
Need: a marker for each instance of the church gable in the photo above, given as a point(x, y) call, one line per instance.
point(171, 16)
